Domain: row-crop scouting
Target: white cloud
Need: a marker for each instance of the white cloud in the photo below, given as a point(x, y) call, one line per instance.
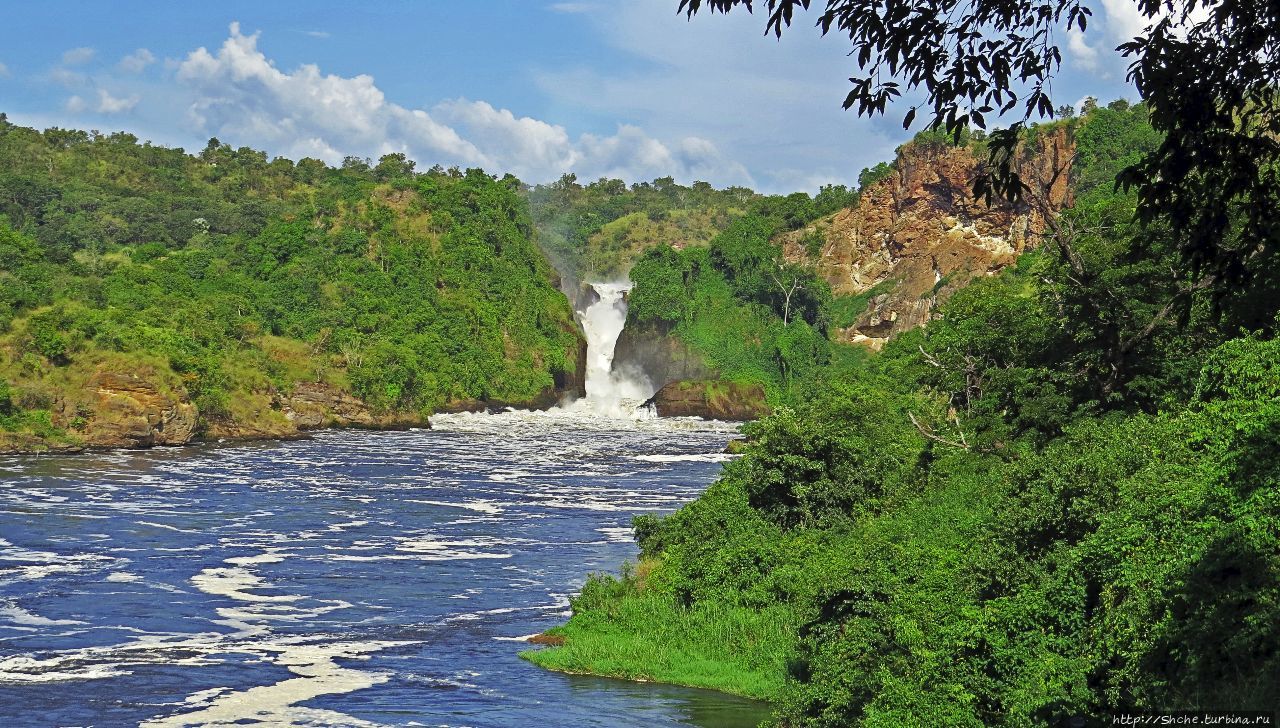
point(1119, 22)
point(241, 93)
point(1081, 52)
point(4, 71)
point(1124, 19)
point(78, 56)
point(529, 144)
point(64, 77)
point(108, 104)
point(241, 96)
point(137, 61)
point(316, 33)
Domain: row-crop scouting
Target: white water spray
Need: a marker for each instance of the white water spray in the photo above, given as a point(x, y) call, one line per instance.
point(610, 393)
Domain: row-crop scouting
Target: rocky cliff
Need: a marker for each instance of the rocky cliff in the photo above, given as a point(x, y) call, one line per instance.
point(149, 406)
point(713, 400)
point(136, 410)
point(659, 356)
point(919, 234)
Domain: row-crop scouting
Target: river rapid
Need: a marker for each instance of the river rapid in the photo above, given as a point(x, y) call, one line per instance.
point(356, 578)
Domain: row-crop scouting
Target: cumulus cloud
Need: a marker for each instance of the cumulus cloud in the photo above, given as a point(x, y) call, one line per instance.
point(137, 61)
point(78, 56)
point(1081, 52)
point(108, 104)
point(1124, 19)
point(530, 144)
point(240, 94)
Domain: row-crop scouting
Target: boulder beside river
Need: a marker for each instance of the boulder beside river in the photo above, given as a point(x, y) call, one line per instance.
point(710, 399)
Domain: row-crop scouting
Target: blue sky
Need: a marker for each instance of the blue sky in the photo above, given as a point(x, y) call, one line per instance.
point(620, 88)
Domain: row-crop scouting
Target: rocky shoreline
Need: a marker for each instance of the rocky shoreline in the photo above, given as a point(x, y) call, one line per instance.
point(141, 410)
point(710, 399)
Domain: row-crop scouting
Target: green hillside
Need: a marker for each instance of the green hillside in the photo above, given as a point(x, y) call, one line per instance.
point(229, 279)
point(1058, 499)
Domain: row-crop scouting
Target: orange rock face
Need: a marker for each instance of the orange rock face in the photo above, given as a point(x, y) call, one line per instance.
point(132, 411)
point(920, 234)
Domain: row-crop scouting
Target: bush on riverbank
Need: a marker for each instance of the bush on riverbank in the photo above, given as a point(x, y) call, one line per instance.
point(636, 631)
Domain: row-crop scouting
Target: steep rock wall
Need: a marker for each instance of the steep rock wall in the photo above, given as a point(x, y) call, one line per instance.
point(659, 356)
point(919, 234)
point(713, 400)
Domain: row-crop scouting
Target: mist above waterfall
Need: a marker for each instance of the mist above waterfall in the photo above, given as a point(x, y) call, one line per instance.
point(610, 393)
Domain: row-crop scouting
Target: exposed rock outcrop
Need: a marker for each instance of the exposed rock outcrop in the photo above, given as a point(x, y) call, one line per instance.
point(314, 405)
point(919, 234)
point(309, 406)
point(712, 400)
point(133, 410)
point(659, 356)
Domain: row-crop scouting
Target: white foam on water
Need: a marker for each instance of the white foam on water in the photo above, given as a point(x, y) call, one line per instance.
point(308, 657)
point(234, 583)
point(429, 548)
point(267, 557)
point(276, 704)
point(521, 638)
point(710, 457)
point(480, 506)
point(619, 534)
point(23, 669)
point(339, 527)
point(165, 526)
point(509, 475)
point(35, 565)
point(203, 696)
point(17, 615)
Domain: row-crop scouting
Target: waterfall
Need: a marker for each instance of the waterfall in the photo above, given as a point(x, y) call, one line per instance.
point(610, 393)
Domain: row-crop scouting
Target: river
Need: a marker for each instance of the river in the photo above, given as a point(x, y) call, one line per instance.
point(357, 578)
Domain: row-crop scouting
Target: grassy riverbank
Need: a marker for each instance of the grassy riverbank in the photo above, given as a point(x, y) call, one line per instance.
point(627, 629)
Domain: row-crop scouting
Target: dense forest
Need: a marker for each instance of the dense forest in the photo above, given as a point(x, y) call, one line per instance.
point(229, 279)
point(595, 232)
point(1056, 499)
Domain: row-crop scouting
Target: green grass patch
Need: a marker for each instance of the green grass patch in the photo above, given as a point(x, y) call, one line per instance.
point(619, 630)
point(844, 310)
point(32, 422)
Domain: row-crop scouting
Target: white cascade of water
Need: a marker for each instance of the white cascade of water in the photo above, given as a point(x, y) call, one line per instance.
point(610, 393)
